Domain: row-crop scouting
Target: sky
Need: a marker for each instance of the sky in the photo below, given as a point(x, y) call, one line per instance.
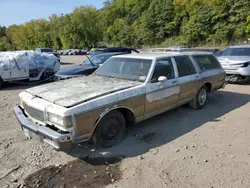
point(21, 11)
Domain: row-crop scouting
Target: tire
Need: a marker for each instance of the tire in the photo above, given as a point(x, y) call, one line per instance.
point(47, 74)
point(110, 130)
point(1, 83)
point(200, 99)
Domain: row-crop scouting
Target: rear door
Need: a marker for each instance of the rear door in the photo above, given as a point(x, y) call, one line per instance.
point(188, 77)
point(162, 96)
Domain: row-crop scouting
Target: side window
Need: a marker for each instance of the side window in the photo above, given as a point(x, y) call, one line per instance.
point(185, 66)
point(163, 67)
point(207, 62)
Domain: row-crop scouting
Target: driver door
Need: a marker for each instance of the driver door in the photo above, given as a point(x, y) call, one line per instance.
point(161, 96)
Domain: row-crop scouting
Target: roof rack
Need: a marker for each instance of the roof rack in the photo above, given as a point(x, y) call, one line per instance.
point(184, 50)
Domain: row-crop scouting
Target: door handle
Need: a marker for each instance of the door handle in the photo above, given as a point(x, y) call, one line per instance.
point(174, 82)
point(197, 76)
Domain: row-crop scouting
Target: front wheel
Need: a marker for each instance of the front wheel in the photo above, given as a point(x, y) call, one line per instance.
point(200, 99)
point(110, 130)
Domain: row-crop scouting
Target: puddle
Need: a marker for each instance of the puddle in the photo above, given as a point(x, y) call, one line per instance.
point(80, 173)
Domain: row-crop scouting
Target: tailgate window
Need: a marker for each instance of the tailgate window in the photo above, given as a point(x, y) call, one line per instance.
point(206, 62)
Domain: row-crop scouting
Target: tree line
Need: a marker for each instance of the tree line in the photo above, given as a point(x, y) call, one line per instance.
point(135, 23)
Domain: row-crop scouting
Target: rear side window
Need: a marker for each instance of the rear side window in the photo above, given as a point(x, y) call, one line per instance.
point(185, 66)
point(207, 62)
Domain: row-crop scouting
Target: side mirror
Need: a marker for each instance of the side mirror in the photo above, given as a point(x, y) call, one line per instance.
point(162, 79)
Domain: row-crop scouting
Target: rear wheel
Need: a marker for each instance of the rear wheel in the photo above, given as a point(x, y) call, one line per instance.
point(110, 130)
point(200, 99)
point(47, 74)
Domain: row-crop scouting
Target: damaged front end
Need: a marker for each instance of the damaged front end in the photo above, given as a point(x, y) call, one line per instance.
point(43, 123)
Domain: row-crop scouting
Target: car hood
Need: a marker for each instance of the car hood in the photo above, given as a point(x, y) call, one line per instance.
point(74, 70)
point(234, 59)
point(68, 93)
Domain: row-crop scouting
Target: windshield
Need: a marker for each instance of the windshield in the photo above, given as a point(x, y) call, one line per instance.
point(46, 50)
point(125, 68)
point(236, 52)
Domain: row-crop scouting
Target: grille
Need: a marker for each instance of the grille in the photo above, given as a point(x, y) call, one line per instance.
point(34, 113)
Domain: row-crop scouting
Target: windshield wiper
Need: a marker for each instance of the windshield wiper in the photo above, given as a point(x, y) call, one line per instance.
point(90, 61)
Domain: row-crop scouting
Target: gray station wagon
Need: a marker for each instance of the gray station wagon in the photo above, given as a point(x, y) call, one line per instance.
point(125, 90)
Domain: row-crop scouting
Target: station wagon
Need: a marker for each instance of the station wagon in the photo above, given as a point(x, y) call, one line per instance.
point(125, 90)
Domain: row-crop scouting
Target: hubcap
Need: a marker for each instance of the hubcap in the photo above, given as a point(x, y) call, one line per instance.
point(202, 97)
point(110, 131)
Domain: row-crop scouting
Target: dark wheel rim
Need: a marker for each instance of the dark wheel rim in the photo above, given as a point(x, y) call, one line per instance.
point(47, 74)
point(110, 133)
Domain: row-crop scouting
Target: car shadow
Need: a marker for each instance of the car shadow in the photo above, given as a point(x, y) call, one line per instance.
point(164, 128)
point(67, 63)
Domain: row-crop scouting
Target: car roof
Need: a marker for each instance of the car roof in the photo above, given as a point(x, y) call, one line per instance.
point(154, 55)
point(240, 46)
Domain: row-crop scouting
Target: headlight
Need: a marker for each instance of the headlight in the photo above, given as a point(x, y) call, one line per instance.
point(246, 64)
point(62, 121)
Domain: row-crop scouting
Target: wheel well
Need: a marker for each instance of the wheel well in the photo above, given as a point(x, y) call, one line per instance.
point(128, 115)
point(208, 86)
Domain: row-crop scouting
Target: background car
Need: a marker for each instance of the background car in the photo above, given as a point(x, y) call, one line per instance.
point(236, 62)
point(113, 49)
point(66, 52)
point(80, 52)
point(73, 51)
point(60, 52)
point(86, 68)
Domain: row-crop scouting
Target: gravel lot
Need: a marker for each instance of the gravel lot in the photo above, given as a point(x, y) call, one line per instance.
point(181, 148)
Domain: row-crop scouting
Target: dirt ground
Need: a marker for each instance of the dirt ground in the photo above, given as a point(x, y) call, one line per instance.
point(180, 148)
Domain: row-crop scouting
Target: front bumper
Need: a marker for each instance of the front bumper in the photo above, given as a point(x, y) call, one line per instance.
point(243, 71)
point(45, 134)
